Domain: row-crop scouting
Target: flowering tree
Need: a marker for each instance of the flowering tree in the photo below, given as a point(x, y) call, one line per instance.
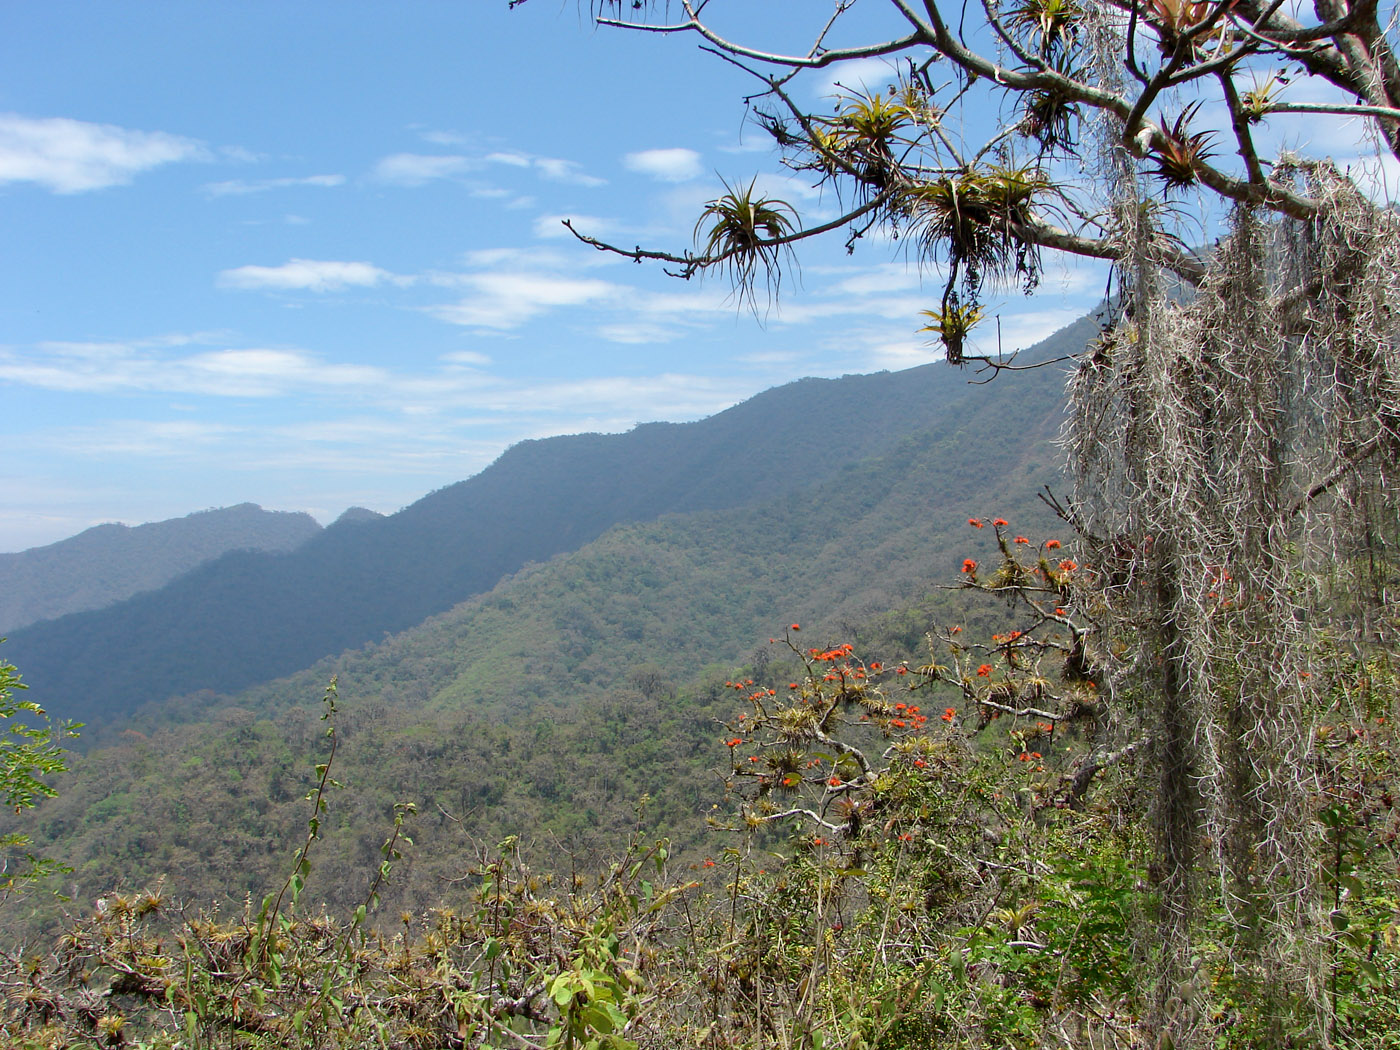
point(1235, 426)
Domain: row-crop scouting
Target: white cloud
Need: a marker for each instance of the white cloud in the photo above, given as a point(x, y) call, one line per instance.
point(668, 165)
point(898, 353)
point(804, 310)
point(711, 298)
point(770, 357)
point(513, 259)
point(263, 373)
point(110, 368)
point(566, 171)
point(73, 156)
point(1009, 332)
point(549, 227)
point(552, 168)
point(515, 160)
point(309, 274)
point(504, 301)
point(466, 357)
point(241, 155)
point(445, 138)
point(240, 187)
point(415, 169)
point(881, 279)
point(612, 402)
point(637, 332)
point(158, 438)
point(868, 76)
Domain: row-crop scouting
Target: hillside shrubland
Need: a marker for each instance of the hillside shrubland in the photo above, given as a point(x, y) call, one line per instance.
point(954, 850)
point(554, 701)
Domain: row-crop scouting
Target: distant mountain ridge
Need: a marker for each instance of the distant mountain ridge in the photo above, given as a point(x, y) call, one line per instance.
point(109, 563)
point(552, 703)
point(248, 618)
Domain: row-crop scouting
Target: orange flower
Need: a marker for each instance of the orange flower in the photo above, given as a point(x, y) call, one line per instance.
point(919, 763)
point(1001, 523)
point(1022, 539)
point(795, 627)
point(949, 713)
point(974, 523)
point(733, 743)
point(834, 782)
point(792, 685)
point(1052, 545)
point(984, 670)
point(901, 670)
point(1068, 566)
point(969, 565)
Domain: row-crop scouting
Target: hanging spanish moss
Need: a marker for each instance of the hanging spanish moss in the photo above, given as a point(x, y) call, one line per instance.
point(1233, 447)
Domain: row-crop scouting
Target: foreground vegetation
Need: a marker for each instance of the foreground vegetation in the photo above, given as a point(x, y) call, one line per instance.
point(951, 852)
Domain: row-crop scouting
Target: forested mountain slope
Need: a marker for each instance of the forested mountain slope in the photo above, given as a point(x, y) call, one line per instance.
point(250, 617)
point(550, 705)
point(108, 563)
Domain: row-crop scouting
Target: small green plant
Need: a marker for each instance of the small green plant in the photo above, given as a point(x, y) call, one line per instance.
point(31, 750)
point(743, 234)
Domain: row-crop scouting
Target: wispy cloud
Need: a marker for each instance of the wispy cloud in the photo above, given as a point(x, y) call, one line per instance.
point(241, 187)
point(415, 169)
point(310, 275)
point(552, 168)
point(444, 138)
point(566, 171)
point(503, 301)
point(551, 226)
point(73, 156)
point(109, 368)
point(639, 333)
point(141, 437)
point(420, 407)
point(866, 76)
point(668, 165)
point(467, 357)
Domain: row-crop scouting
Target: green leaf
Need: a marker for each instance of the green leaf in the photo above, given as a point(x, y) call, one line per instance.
point(561, 993)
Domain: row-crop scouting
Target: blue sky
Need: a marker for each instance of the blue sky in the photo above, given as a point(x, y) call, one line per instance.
point(309, 254)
